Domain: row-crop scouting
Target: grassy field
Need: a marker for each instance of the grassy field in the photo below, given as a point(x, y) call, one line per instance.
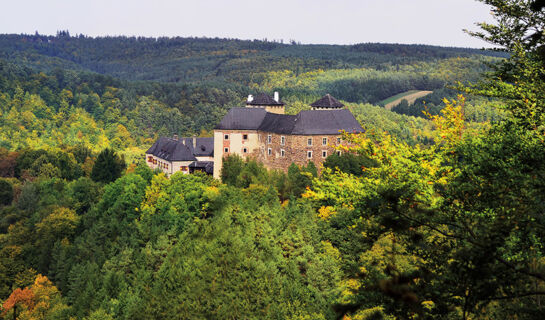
point(410, 96)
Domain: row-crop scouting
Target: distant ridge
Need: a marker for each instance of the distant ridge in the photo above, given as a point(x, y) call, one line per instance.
point(186, 60)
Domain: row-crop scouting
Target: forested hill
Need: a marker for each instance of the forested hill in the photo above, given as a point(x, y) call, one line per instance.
point(207, 59)
point(123, 92)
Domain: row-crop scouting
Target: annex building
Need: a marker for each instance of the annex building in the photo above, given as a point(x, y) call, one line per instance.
point(261, 131)
point(187, 155)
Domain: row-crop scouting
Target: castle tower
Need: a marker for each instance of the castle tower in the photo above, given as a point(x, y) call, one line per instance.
point(264, 101)
point(327, 102)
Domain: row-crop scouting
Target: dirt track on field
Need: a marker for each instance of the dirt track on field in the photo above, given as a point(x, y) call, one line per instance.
point(411, 98)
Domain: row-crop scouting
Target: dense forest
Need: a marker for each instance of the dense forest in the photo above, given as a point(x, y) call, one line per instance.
point(435, 212)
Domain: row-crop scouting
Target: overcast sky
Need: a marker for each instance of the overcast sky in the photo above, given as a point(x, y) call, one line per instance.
point(436, 22)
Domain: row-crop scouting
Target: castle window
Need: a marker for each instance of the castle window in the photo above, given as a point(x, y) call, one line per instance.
point(282, 140)
point(282, 153)
point(324, 154)
point(309, 141)
point(150, 159)
point(269, 138)
point(269, 151)
point(226, 150)
point(324, 141)
point(245, 137)
point(338, 140)
point(244, 150)
point(339, 152)
point(225, 137)
point(309, 154)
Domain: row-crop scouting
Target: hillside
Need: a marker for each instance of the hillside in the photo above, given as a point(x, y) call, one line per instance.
point(90, 87)
point(183, 60)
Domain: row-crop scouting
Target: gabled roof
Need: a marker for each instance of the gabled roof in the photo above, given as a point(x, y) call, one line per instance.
point(262, 99)
point(309, 122)
point(182, 149)
point(204, 147)
point(242, 119)
point(327, 101)
point(278, 123)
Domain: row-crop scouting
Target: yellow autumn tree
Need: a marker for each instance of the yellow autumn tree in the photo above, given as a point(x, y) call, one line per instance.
point(42, 300)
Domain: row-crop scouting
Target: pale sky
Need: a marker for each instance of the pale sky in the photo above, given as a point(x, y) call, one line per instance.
point(435, 22)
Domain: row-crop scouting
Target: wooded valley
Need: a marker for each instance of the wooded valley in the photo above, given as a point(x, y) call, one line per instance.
point(435, 212)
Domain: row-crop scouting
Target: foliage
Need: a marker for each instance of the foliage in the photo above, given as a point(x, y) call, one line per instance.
point(41, 300)
point(180, 59)
point(348, 162)
point(6, 192)
point(438, 218)
point(520, 79)
point(108, 166)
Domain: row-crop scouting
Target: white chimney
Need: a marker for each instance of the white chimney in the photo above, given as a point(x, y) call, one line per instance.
point(175, 137)
point(194, 142)
point(276, 96)
point(250, 98)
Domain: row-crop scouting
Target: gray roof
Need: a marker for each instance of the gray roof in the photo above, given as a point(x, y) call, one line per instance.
point(263, 99)
point(326, 122)
point(181, 150)
point(278, 123)
point(309, 122)
point(327, 101)
point(242, 119)
point(204, 147)
point(207, 166)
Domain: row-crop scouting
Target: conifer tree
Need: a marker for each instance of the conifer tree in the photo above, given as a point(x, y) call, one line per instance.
point(108, 167)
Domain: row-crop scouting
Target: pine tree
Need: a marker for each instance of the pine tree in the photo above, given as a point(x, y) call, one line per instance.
point(108, 167)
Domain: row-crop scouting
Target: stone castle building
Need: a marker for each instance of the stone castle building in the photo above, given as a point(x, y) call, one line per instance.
point(261, 131)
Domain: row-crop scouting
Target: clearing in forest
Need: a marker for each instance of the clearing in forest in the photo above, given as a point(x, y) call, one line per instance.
point(410, 96)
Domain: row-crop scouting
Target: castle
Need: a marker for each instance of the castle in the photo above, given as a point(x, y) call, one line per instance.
point(261, 131)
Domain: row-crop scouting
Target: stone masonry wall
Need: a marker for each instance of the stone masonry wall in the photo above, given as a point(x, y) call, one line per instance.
point(295, 148)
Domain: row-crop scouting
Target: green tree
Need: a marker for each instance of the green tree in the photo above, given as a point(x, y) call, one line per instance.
point(232, 167)
point(520, 79)
point(6, 192)
point(108, 167)
point(348, 162)
point(300, 178)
